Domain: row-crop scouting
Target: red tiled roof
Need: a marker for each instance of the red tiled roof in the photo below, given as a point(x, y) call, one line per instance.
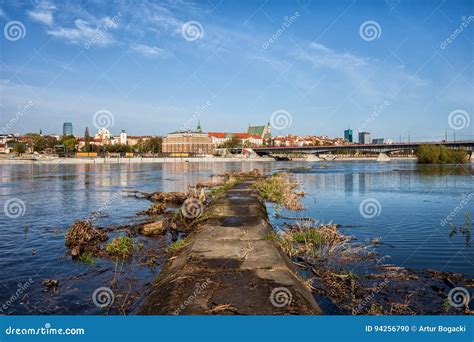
point(139, 137)
point(216, 134)
point(237, 135)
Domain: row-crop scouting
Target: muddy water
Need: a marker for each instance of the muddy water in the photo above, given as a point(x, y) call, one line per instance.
point(413, 201)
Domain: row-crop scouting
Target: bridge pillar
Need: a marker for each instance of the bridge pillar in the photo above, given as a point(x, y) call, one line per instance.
point(312, 158)
point(383, 157)
point(472, 157)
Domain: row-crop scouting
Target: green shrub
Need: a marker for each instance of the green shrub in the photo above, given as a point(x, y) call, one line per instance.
point(121, 246)
point(432, 154)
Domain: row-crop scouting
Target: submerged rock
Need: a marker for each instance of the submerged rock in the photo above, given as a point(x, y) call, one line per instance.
point(169, 197)
point(155, 228)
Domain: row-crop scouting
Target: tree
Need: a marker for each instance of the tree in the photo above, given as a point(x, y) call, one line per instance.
point(430, 154)
point(233, 142)
point(87, 140)
point(118, 148)
point(69, 142)
point(153, 145)
point(40, 143)
point(19, 147)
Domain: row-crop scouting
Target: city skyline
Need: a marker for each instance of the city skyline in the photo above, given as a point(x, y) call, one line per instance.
point(166, 65)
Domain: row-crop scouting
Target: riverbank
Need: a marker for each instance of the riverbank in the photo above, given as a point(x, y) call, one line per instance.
point(107, 160)
point(68, 161)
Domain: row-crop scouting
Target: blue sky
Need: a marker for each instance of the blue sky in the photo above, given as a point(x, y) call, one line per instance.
point(243, 61)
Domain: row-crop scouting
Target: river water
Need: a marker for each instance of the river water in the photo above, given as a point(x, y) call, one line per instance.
point(411, 208)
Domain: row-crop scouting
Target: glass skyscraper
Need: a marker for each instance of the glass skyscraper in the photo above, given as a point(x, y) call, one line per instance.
point(67, 128)
point(348, 135)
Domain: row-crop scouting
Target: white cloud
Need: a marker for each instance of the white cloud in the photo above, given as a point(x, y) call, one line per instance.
point(321, 56)
point(43, 13)
point(147, 51)
point(82, 32)
point(42, 17)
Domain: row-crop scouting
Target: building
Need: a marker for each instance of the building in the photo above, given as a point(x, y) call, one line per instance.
point(133, 140)
point(123, 137)
point(219, 138)
point(67, 128)
point(188, 142)
point(378, 141)
point(7, 142)
point(348, 135)
point(364, 138)
point(264, 132)
point(104, 135)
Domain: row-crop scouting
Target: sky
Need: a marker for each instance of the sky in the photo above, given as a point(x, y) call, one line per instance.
point(392, 68)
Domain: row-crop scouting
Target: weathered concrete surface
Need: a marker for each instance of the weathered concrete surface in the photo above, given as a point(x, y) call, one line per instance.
point(230, 266)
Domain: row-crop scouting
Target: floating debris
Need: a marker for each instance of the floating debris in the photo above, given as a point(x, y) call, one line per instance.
point(155, 209)
point(82, 237)
point(50, 285)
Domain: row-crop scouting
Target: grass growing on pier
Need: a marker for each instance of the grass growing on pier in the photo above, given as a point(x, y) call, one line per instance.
point(318, 242)
point(430, 154)
point(279, 189)
point(309, 236)
point(176, 246)
point(217, 192)
point(121, 246)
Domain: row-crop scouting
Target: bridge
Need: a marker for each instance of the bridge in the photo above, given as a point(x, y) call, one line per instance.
point(467, 145)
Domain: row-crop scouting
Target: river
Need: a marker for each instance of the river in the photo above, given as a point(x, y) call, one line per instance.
point(409, 207)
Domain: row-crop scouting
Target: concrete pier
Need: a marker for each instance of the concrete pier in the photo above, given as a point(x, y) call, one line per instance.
point(231, 266)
